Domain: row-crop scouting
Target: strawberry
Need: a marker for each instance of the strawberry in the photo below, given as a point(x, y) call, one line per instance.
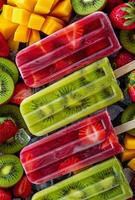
point(69, 162)
point(92, 134)
point(2, 2)
point(21, 92)
point(4, 48)
point(5, 194)
point(123, 16)
point(23, 188)
point(131, 85)
point(112, 4)
point(8, 129)
point(72, 36)
point(123, 58)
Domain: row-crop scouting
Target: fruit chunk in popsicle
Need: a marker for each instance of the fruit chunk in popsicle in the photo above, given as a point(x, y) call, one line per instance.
point(74, 97)
point(103, 181)
point(68, 50)
point(75, 147)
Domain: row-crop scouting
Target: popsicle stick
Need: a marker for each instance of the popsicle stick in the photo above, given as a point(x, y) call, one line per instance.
point(125, 127)
point(124, 69)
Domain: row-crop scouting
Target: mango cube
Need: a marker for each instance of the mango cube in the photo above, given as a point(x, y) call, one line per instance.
point(20, 16)
point(43, 6)
point(7, 28)
point(7, 12)
point(11, 2)
point(129, 142)
point(34, 37)
point(22, 34)
point(51, 25)
point(131, 164)
point(36, 21)
point(63, 9)
point(26, 4)
point(13, 45)
point(127, 154)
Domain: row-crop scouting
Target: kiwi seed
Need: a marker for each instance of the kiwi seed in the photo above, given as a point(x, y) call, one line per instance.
point(127, 39)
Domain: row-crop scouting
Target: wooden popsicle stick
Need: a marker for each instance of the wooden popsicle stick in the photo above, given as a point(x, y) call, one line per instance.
point(124, 69)
point(125, 127)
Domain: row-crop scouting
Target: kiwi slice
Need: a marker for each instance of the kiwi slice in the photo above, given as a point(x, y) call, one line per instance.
point(13, 112)
point(10, 68)
point(16, 143)
point(6, 87)
point(127, 115)
point(127, 39)
point(11, 170)
point(85, 7)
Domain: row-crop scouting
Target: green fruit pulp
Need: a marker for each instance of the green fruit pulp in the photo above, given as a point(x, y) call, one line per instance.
point(6, 87)
point(85, 7)
point(127, 39)
point(103, 181)
point(78, 95)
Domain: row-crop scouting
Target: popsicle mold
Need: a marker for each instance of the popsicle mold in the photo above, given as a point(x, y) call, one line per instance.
point(73, 148)
point(73, 47)
point(105, 181)
point(72, 98)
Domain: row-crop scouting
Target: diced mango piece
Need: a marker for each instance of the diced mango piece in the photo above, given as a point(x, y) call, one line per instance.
point(127, 154)
point(7, 12)
point(50, 26)
point(7, 28)
point(129, 142)
point(22, 34)
point(131, 164)
point(36, 22)
point(11, 2)
point(54, 4)
point(63, 9)
point(34, 37)
point(43, 6)
point(26, 4)
point(20, 16)
point(57, 20)
point(66, 18)
point(13, 45)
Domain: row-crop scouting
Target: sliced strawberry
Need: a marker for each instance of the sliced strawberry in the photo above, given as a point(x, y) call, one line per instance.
point(111, 139)
point(5, 194)
point(69, 162)
point(23, 188)
point(8, 129)
point(71, 36)
point(4, 48)
point(92, 134)
point(21, 92)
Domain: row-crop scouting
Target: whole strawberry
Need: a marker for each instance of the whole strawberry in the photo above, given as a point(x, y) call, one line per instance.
point(23, 188)
point(123, 16)
point(123, 58)
point(5, 195)
point(8, 128)
point(110, 4)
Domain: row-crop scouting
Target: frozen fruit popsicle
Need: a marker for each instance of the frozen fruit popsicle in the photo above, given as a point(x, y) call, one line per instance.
point(100, 182)
point(74, 97)
point(67, 50)
point(75, 147)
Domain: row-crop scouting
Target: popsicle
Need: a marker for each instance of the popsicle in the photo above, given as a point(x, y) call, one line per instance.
point(67, 50)
point(72, 98)
point(105, 181)
point(84, 143)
